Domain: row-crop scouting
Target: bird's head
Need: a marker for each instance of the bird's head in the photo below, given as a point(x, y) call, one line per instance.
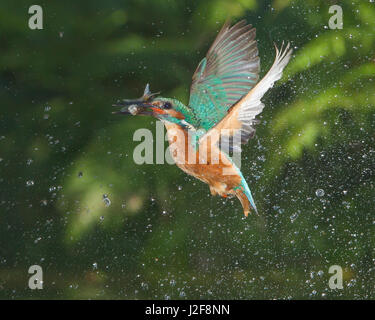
point(150, 104)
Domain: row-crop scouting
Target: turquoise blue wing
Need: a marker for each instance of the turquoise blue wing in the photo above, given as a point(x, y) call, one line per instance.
point(229, 71)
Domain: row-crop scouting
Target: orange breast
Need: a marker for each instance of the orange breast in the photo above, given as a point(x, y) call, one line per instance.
point(208, 164)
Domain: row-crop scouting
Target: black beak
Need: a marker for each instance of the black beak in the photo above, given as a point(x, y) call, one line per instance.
point(139, 106)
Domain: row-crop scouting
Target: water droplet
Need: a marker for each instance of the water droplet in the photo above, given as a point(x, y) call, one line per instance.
point(29, 183)
point(293, 217)
point(74, 286)
point(106, 200)
point(319, 192)
point(37, 240)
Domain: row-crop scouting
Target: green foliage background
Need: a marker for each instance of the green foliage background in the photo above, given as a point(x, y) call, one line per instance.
point(164, 236)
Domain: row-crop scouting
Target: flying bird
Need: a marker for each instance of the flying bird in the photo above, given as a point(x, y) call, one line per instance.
point(225, 98)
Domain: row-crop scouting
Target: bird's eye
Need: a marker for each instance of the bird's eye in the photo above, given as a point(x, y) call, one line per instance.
point(167, 105)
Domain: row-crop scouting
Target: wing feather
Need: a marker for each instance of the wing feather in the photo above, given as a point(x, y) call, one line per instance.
point(241, 117)
point(229, 70)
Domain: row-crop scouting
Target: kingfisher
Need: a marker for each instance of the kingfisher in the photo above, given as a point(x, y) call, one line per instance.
point(225, 98)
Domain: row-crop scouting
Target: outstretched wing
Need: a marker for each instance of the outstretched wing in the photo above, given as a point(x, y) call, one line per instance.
point(237, 126)
point(229, 70)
